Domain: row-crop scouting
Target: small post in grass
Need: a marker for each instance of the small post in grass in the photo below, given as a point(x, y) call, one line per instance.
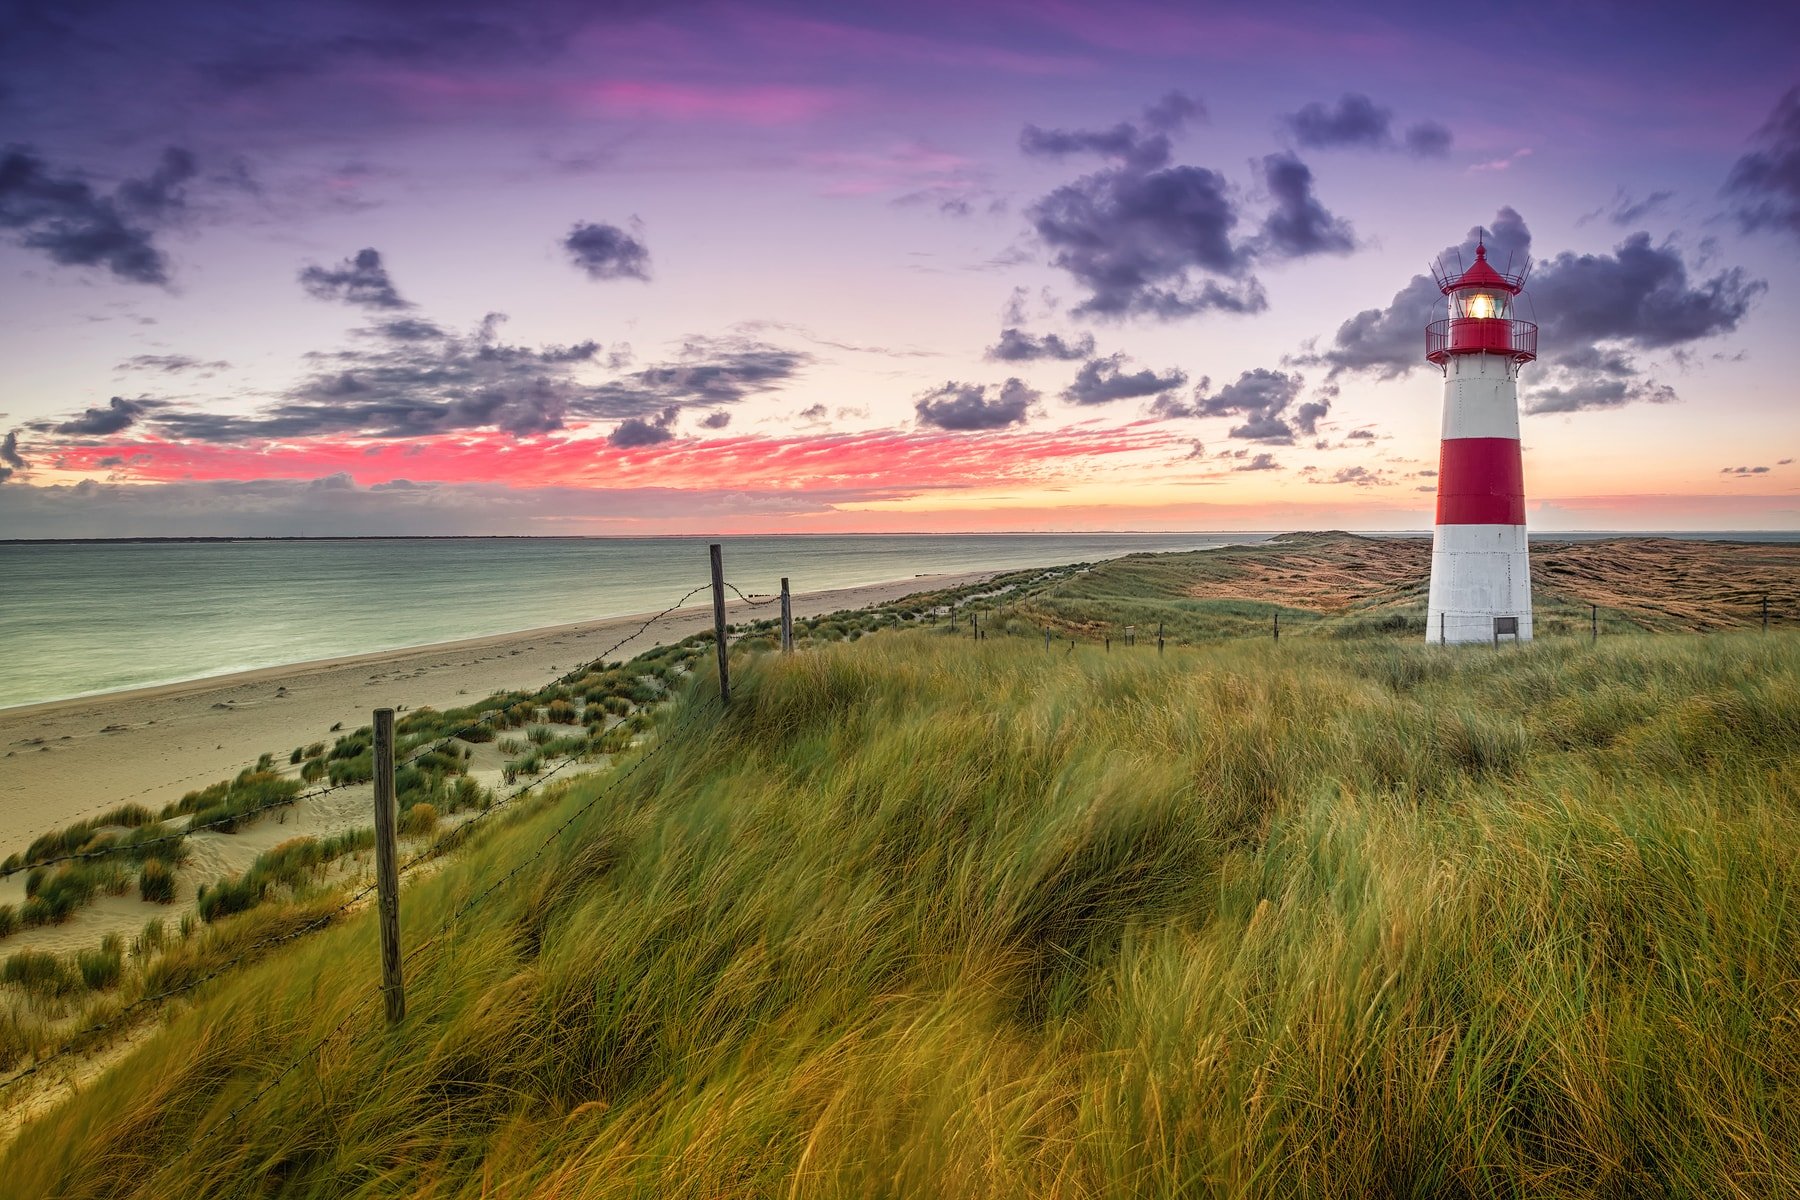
point(387, 877)
point(1278, 624)
point(718, 589)
point(1593, 623)
point(1159, 637)
point(975, 626)
point(787, 618)
point(1046, 639)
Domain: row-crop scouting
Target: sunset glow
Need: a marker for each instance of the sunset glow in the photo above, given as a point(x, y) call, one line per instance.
point(757, 267)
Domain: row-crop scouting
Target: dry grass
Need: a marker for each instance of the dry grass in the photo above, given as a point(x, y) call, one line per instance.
point(926, 917)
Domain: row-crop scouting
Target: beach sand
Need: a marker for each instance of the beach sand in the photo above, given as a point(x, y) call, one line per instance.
point(72, 758)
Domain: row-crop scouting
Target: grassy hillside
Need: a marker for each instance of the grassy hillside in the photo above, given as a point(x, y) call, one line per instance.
point(921, 916)
point(1344, 585)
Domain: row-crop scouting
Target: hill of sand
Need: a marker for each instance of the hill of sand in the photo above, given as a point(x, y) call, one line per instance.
point(1658, 583)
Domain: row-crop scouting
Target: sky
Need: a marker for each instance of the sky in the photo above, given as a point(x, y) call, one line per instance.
point(566, 267)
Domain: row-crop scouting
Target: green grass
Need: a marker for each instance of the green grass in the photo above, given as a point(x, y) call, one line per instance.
point(921, 916)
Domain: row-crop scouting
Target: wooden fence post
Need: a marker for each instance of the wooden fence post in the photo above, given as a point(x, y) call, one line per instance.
point(1159, 637)
point(718, 589)
point(1594, 622)
point(1278, 624)
point(787, 618)
point(387, 877)
point(1046, 638)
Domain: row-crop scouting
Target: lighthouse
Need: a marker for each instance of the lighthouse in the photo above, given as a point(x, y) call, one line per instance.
point(1480, 564)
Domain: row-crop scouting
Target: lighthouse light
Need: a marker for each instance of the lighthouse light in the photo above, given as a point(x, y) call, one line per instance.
point(1481, 305)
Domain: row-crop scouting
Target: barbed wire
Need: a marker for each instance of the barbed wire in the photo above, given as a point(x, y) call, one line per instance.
point(763, 603)
point(437, 743)
point(462, 909)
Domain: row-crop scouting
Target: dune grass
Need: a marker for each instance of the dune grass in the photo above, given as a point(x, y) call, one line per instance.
point(920, 916)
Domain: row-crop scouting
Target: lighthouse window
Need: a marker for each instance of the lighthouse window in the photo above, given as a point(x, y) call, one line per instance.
point(1481, 305)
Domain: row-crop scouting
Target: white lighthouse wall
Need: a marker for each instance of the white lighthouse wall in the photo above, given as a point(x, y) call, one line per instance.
point(1481, 397)
point(1478, 572)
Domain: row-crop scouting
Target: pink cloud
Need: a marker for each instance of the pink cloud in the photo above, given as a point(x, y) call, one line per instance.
point(887, 462)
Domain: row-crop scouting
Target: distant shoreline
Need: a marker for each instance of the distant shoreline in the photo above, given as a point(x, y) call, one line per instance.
point(1720, 535)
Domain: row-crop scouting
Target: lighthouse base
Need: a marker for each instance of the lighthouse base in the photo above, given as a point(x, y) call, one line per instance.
point(1478, 573)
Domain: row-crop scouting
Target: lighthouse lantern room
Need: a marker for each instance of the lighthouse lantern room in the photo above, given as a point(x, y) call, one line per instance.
point(1480, 565)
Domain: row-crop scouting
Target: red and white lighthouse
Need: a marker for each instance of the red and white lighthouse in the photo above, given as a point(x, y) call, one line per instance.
point(1480, 564)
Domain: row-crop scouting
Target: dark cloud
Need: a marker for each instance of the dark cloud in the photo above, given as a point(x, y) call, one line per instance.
point(172, 364)
point(1013, 311)
point(401, 389)
point(408, 329)
point(1427, 139)
point(1360, 435)
point(67, 219)
point(118, 414)
point(715, 420)
point(814, 412)
point(360, 280)
point(1263, 397)
point(1145, 236)
point(1173, 111)
point(1596, 309)
point(1136, 237)
point(1568, 392)
point(1764, 185)
point(11, 461)
point(637, 431)
point(1743, 470)
point(607, 252)
point(709, 371)
point(1124, 141)
point(1262, 462)
point(1360, 477)
point(1640, 295)
point(1298, 225)
point(1357, 122)
point(1016, 345)
point(973, 406)
point(1104, 380)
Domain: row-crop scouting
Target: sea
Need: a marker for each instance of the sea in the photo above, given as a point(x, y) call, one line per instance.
point(83, 618)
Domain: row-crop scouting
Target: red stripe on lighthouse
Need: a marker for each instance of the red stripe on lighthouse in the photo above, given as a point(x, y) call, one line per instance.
point(1480, 482)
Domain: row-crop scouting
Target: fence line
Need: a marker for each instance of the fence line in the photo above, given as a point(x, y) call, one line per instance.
point(463, 909)
point(445, 842)
point(437, 848)
point(435, 746)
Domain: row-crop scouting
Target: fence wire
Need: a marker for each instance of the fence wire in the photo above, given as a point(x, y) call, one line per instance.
point(436, 745)
point(437, 939)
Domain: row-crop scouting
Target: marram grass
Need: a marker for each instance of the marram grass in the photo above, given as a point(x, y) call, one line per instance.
point(926, 917)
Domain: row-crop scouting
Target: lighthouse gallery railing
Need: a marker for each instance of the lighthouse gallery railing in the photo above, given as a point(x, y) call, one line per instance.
point(1481, 335)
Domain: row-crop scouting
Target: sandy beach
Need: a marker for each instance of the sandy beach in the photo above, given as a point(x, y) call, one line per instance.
point(70, 758)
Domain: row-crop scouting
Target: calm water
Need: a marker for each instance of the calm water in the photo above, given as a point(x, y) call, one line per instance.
point(78, 618)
